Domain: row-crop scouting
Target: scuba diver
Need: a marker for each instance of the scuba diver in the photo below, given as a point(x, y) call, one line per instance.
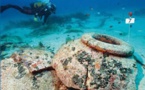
point(38, 9)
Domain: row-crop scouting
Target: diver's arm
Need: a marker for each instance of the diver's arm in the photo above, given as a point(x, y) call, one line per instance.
point(46, 12)
point(45, 19)
point(22, 10)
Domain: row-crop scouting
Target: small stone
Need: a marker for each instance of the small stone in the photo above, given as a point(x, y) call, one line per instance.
point(34, 78)
point(30, 53)
point(103, 83)
point(93, 82)
point(109, 71)
point(99, 78)
point(81, 82)
point(105, 55)
point(104, 66)
point(73, 48)
point(122, 77)
point(130, 71)
point(107, 78)
point(118, 65)
point(85, 76)
point(123, 70)
point(144, 66)
point(97, 87)
point(15, 65)
point(19, 76)
point(75, 79)
point(39, 75)
point(51, 56)
point(114, 61)
point(114, 72)
point(20, 69)
point(69, 59)
point(134, 65)
point(92, 72)
point(48, 62)
point(110, 64)
point(84, 87)
point(113, 86)
point(37, 57)
point(65, 62)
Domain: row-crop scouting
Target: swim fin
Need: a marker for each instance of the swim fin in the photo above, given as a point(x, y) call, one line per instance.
point(3, 8)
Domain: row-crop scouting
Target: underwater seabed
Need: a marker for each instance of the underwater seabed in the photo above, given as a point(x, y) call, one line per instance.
point(63, 29)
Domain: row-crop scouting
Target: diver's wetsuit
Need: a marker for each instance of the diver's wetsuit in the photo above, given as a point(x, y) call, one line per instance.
point(36, 11)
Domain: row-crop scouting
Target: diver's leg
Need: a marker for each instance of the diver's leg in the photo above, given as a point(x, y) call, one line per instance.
point(22, 10)
point(3, 8)
point(45, 19)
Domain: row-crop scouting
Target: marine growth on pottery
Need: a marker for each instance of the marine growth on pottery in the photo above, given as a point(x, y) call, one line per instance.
point(96, 62)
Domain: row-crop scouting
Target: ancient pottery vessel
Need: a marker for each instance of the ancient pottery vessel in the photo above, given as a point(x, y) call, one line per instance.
point(96, 62)
point(19, 71)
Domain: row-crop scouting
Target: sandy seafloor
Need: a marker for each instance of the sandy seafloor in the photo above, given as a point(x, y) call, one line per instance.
point(97, 22)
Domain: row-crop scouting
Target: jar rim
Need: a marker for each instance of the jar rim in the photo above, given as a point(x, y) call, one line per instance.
point(107, 44)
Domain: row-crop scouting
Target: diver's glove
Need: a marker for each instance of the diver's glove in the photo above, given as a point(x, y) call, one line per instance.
point(35, 19)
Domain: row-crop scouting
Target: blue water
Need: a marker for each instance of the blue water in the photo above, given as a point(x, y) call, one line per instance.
point(75, 5)
point(105, 16)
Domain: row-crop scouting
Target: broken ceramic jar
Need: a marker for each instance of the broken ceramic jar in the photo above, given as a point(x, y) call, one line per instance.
point(96, 62)
point(35, 60)
point(15, 71)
